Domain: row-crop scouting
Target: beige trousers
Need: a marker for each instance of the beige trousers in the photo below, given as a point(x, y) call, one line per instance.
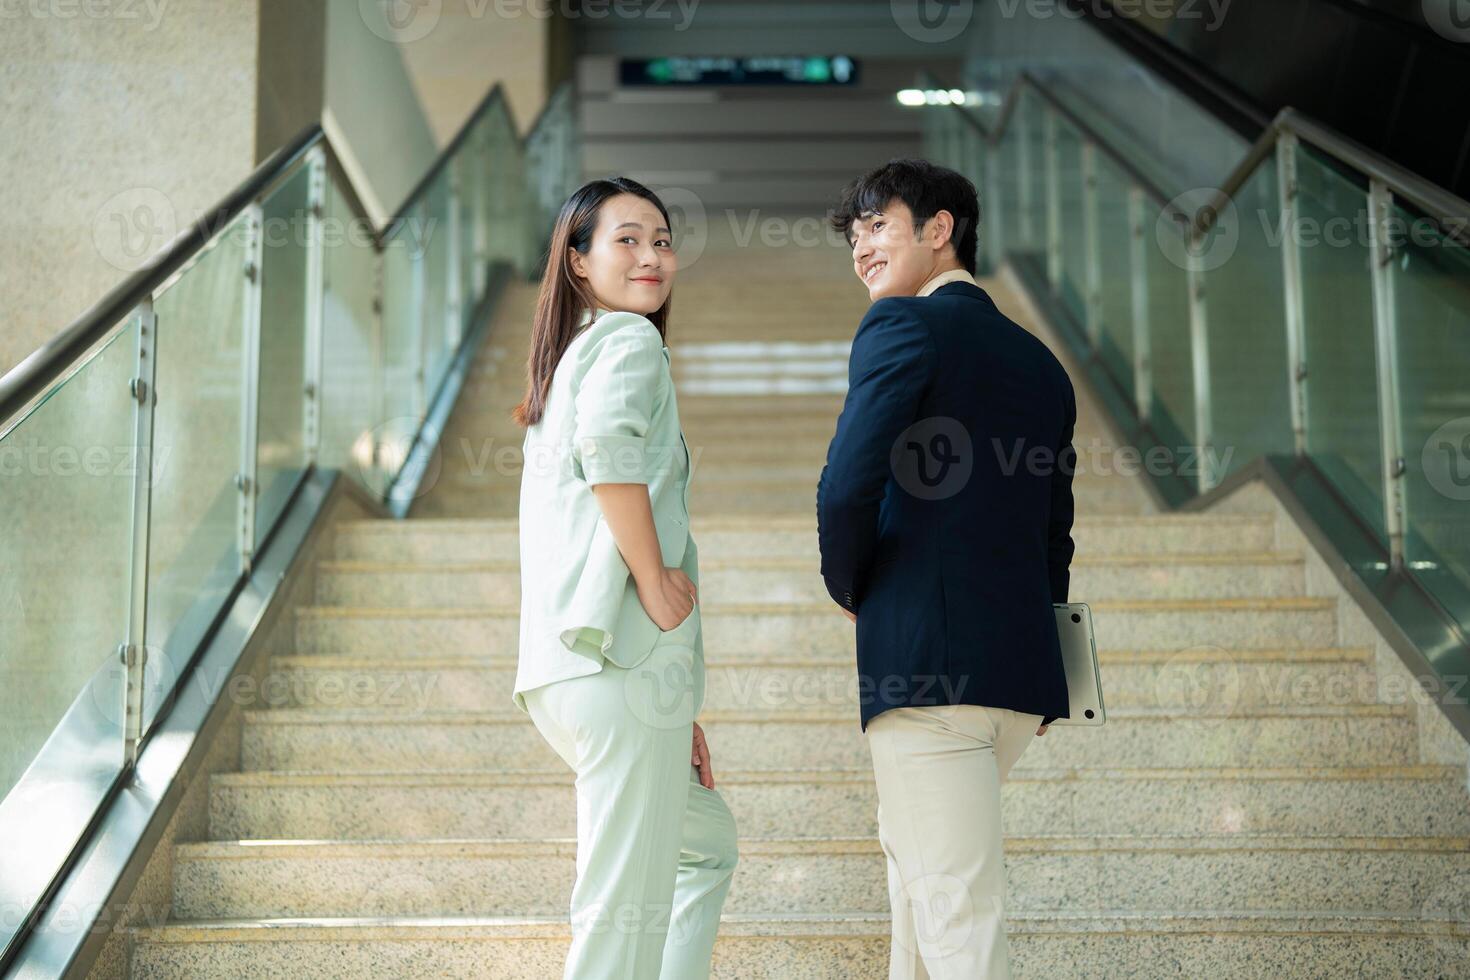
point(939, 770)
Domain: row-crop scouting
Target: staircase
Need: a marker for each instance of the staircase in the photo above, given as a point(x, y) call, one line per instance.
point(1249, 810)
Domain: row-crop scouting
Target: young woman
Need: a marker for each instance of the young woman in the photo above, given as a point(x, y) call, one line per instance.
point(611, 663)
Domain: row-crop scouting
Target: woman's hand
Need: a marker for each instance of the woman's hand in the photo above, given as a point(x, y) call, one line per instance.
point(669, 599)
point(701, 759)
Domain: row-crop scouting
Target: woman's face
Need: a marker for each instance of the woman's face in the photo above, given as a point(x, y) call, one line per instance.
point(630, 264)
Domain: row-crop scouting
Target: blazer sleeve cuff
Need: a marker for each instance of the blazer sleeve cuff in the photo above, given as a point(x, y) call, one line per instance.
point(612, 458)
point(587, 640)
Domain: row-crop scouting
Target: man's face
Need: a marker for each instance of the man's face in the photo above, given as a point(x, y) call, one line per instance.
point(888, 255)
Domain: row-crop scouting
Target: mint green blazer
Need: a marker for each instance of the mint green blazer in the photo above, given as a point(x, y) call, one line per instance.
point(611, 417)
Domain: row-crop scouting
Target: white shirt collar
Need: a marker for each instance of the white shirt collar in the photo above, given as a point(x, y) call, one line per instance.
point(589, 315)
point(944, 278)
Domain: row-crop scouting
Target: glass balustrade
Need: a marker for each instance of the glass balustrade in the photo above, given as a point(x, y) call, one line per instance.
point(136, 489)
point(1318, 313)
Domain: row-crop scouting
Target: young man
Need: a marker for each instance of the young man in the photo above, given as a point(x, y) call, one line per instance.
point(944, 515)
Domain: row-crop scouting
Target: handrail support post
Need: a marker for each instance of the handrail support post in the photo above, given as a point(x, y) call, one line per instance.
point(247, 478)
point(1053, 203)
point(133, 651)
point(1138, 294)
point(1385, 342)
point(1288, 193)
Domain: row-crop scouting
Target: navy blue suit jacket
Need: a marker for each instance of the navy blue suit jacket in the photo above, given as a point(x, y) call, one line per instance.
point(951, 543)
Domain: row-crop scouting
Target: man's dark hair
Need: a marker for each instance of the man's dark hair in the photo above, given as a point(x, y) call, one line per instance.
point(926, 189)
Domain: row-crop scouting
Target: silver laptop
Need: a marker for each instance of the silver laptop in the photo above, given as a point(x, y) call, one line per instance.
point(1079, 656)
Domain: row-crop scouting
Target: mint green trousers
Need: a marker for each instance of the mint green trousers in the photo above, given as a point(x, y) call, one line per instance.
point(655, 849)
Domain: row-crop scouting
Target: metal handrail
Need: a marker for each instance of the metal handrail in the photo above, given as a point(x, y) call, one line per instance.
point(1008, 109)
point(1450, 210)
point(39, 370)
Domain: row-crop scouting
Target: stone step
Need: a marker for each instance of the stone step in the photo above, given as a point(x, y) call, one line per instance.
point(725, 461)
point(1384, 800)
point(1151, 679)
point(743, 495)
point(831, 875)
point(738, 500)
point(449, 540)
point(1257, 945)
point(757, 579)
point(796, 628)
point(319, 740)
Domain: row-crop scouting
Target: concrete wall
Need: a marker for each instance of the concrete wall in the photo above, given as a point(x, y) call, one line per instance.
point(124, 122)
point(121, 123)
point(372, 112)
point(472, 44)
point(102, 155)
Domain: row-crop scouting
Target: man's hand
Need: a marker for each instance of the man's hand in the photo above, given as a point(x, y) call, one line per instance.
point(1042, 729)
point(701, 759)
point(852, 616)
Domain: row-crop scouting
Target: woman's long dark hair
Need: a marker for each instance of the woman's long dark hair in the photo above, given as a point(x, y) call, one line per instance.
point(564, 294)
